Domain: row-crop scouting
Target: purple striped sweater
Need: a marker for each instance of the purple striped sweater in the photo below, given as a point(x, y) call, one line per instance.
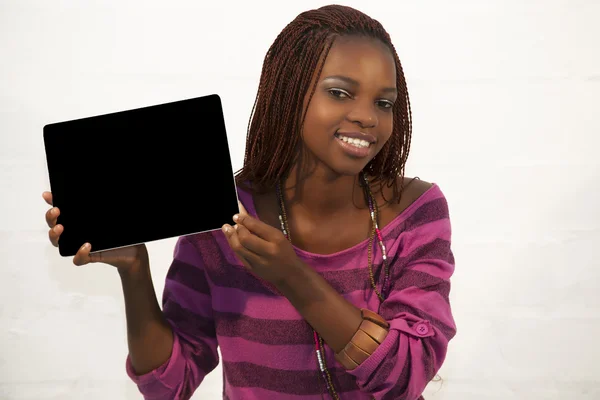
point(267, 349)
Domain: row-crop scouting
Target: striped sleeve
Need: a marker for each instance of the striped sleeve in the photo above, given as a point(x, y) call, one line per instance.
point(187, 307)
point(417, 308)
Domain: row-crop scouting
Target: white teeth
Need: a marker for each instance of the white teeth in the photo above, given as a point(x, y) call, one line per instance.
point(355, 142)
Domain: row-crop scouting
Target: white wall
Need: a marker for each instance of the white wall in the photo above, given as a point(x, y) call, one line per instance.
point(505, 99)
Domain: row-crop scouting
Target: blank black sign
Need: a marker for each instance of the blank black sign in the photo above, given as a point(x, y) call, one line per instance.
point(141, 175)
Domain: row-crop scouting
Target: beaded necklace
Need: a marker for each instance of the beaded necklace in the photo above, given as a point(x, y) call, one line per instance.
point(385, 287)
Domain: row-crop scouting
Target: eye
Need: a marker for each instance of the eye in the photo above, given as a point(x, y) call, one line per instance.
point(385, 104)
point(338, 93)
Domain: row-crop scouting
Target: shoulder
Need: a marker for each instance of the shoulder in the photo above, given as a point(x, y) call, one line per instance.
point(429, 209)
point(413, 189)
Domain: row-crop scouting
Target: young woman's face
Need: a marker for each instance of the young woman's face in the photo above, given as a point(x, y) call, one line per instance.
point(353, 100)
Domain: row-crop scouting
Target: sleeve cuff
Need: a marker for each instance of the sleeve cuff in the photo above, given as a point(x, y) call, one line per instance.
point(167, 375)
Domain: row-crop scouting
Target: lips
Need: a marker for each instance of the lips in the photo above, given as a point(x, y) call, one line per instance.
point(353, 150)
point(357, 135)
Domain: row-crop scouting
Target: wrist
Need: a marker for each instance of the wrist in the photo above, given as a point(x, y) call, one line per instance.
point(294, 275)
point(370, 334)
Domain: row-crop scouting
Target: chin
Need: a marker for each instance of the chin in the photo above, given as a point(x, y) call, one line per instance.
point(350, 169)
point(340, 164)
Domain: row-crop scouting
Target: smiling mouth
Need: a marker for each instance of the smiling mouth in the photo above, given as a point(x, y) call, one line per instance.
point(358, 143)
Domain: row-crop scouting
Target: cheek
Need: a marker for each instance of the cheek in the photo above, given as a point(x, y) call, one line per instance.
point(386, 126)
point(323, 116)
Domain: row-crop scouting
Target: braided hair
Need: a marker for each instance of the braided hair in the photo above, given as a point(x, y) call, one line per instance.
point(276, 119)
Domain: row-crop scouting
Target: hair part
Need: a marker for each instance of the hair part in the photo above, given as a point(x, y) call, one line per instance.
point(277, 117)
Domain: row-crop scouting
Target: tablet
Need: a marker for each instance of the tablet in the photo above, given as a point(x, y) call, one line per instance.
point(141, 175)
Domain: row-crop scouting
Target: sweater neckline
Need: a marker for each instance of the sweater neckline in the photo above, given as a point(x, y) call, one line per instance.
point(248, 201)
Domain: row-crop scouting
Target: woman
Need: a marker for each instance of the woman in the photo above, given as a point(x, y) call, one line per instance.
point(333, 281)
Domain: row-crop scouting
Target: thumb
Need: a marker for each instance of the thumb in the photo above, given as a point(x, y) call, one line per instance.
point(82, 257)
point(242, 208)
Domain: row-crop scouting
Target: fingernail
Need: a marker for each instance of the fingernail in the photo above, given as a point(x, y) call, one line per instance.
point(236, 227)
point(84, 247)
point(54, 211)
point(236, 217)
point(226, 228)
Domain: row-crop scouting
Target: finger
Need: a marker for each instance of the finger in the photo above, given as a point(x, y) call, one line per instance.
point(259, 228)
point(51, 216)
point(242, 208)
point(251, 242)
point(234, 243)
point(54, 234)
point(48, 197)
point(254, 249)
point(83, 255)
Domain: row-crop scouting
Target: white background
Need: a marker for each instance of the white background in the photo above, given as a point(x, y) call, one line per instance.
point(505, 98)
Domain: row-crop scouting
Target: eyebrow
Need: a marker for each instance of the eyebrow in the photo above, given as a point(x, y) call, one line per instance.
point(355, 83)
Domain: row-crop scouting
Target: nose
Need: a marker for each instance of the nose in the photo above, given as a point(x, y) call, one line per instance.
point(363, 114)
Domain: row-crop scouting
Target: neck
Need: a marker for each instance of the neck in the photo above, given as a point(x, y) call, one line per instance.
point(319, 194)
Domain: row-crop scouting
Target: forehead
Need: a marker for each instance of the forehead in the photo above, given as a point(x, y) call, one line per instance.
point(363, 59)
